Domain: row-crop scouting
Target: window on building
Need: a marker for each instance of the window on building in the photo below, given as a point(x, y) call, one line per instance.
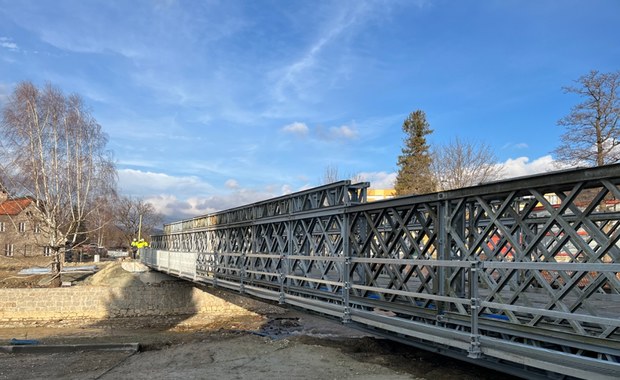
point(2, 227)
point(8, 249)
point(47, 251)
point(22, 227)
point(37, 228)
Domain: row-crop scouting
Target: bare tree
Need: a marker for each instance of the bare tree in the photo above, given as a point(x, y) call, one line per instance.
point(102, 219)
point(53, 150)
point(592, 135)
point(461, 163)
point(135, 217)
point(332, 174)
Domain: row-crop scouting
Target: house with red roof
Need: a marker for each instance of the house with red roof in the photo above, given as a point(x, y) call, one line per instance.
point(20, 233)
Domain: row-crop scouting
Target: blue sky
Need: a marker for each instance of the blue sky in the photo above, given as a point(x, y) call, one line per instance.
point(213, 104)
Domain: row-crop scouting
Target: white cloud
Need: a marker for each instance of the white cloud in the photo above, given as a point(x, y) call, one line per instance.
point(511, 145)
point(7, 43)
point(286, 189)
point(182, 197)
point(379, 180)
point(139, 183)
point(175, 208)
point(522, 166)
point(296, 128)
point(343, 132)
point(232, 184)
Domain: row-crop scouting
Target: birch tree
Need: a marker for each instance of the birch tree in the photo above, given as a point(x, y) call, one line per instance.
point(53, 150)
point(102, 219)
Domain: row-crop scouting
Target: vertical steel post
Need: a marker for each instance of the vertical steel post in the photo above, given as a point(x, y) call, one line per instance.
point(443, 251)
point(474, 351)
point(286, 264)
point(242, 272)
point(346, 272)
point(458, 227)
point(215, 257)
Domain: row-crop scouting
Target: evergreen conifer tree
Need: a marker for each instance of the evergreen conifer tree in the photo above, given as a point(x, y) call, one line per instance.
point(414, 173)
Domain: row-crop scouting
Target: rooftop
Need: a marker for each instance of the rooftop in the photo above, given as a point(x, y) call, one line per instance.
point(14, 206)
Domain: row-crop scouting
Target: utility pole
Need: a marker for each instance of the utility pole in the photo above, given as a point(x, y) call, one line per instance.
point(140, 228)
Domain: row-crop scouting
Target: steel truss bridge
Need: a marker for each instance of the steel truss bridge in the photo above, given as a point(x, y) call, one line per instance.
point(521, 275)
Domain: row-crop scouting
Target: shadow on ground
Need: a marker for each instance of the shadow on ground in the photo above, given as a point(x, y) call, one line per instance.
point(141, 298)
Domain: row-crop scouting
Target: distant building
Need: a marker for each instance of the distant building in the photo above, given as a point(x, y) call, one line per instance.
point(20, 234)
point(379, 194)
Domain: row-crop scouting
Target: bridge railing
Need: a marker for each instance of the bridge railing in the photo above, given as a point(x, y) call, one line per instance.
point(524, 271)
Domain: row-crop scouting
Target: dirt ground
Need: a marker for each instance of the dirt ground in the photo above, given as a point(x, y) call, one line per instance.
point(284, 344)
point(9, 266)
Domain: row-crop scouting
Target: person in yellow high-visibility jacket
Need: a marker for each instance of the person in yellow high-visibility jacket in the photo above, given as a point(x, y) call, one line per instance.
point(136, 245)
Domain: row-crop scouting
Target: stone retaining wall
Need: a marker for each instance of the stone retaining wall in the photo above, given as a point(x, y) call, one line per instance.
point(88, 303)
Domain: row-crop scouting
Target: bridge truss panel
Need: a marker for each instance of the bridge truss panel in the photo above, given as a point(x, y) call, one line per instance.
point(532, 262)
